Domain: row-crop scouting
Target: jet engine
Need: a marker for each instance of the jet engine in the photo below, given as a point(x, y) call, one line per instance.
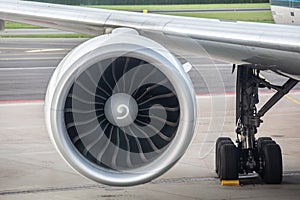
point(120, 109)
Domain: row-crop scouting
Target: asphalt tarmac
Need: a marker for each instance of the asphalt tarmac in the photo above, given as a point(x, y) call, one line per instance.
point(30, 167)
point(26, 66)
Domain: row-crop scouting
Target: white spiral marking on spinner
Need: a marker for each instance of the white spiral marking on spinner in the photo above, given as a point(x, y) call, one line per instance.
point(123, 110)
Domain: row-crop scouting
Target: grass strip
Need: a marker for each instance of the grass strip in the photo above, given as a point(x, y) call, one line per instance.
point(13, 25)
point(261, 16)
point(182, 6)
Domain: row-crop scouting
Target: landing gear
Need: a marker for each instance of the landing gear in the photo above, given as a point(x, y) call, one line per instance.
point(249, 155)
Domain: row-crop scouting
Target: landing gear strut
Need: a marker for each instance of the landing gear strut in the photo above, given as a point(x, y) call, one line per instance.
point(250, 155)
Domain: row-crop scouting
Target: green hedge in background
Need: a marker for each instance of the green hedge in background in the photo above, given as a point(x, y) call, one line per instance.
point(148, 2)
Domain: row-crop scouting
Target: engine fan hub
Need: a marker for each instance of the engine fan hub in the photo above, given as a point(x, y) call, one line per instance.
point(121, 109)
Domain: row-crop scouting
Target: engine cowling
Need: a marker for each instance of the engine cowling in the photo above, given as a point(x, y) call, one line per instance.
point(120, 109)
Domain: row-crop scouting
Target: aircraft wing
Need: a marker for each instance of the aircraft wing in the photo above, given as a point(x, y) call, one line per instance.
point(267, 46)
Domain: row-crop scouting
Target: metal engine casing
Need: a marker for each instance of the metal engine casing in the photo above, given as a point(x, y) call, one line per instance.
point(73, 71)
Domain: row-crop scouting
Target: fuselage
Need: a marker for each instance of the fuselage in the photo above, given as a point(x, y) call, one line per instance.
point(286, 11)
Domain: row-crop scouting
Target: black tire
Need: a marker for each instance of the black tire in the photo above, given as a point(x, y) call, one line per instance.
point(261, 141)
point(264, 143)
point(228, 168)
point(272, 159)
point(218, 157)
point(217, 152)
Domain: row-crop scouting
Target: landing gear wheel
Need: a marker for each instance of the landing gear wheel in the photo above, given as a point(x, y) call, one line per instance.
point(218, 154)
point(228, 166)
point(261, 141)
point(219, 142)
point(272, 159)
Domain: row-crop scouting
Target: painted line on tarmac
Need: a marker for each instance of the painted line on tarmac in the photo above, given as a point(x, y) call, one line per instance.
point(45, 50)
point(288, 97)
point(29, 56)
point(31, 48)
point(263, 92)
point(215, 94)
point(25, 68)
point(47, 58)
point(6, 103)
point(292, 99)
point(17, 48)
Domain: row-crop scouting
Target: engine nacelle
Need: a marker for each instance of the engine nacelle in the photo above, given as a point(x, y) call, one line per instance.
point(120, 109)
